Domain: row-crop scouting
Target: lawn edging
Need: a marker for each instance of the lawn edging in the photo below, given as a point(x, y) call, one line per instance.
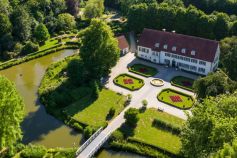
point(142, 74)
point(178, 92)
point(177, 85)
point(114, 81)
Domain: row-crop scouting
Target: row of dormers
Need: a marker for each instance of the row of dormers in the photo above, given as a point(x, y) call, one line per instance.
point(183, 50)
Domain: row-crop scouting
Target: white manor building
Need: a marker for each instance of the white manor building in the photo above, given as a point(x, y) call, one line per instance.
point(189, 53)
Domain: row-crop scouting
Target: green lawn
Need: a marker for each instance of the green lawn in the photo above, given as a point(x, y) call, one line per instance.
point(183, 82)
point(176, 99)
point(129, 82)
point(147, 133)
point(48, 44)
point(94, 112)
point(143, 70)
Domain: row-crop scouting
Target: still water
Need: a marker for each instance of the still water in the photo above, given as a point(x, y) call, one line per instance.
point(39, 127)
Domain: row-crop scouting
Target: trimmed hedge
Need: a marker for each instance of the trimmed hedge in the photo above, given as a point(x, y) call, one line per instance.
point(180, 86)
point(35, 55)
point(178, 92)
point(167, 126)
point(130, 69)
point(134, 89)
point(138, 148)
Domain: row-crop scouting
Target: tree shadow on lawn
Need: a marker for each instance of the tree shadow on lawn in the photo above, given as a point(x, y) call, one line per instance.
point(39, 123)
point(127, 130)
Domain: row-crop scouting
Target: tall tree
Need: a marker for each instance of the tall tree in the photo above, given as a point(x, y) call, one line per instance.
point(12, 113)
point(99, 49)
point(221, 28)
point(21, 24)
point(41, 33)
point(66, 22)
point(228, 151)
point(94, 9)
point(73, 7)
point(5, 25)
point(213, 123)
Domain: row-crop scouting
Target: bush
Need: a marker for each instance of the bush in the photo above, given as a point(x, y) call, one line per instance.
point(30, 47)
point(167, 126)
point(144, 103)
point(112, 112)
point(95, 88)
point(77, 126)
point(88, 132)
point(33, 151)
point(131, 116)
point(117, 136)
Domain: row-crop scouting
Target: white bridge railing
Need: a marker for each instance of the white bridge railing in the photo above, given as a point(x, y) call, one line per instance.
point(89, 141)
point(97, 147)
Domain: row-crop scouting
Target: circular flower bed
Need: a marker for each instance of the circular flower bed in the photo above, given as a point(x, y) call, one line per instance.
point(157, 82)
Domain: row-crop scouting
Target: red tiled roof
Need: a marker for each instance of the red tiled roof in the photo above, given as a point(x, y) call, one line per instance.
point(122, 42)
point(204, 49)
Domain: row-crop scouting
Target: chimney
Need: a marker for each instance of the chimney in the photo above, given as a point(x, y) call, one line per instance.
point(173, 31)
point(164, 30)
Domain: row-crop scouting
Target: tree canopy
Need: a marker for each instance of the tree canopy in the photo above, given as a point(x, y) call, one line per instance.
point(94, 9)
point(213, 123)
point(41, 33)
point(12, 114)
point(99, 50)
point(214, 84)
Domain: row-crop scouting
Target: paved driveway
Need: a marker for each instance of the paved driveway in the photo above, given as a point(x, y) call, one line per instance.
point(148, 91)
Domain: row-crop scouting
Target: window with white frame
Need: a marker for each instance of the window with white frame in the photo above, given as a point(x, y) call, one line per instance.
point(193, 52)
point(202, 70)
point(193, 60)
point(183, 50)
point(173, 48)
point(202, 63)
point(165, 46)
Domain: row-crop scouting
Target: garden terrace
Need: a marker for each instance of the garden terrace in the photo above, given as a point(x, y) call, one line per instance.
point(129, 82)
point(183, 82)
point(154, 136)
point(176, 99)
point(143, 70)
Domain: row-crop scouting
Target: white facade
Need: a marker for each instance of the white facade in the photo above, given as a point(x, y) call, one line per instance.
point(180, 61)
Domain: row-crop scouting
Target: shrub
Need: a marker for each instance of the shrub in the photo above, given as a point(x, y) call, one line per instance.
point(167, 126)
point(144, 103)
point(112, 111)
point(88, 132)
point(77, 126)
point(33, 151)
point(95, 88)
point(117, 135)
point(131, 116)
point(30, 47)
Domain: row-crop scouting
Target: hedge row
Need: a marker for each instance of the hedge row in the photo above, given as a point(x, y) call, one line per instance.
point(138, 148)
point(34, 56)
point(136, 72)
point(167, 126)
point(160, 149)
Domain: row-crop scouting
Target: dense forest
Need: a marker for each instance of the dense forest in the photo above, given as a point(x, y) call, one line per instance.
point(26, 24)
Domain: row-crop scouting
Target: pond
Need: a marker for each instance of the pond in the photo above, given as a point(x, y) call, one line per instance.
point(38, 126)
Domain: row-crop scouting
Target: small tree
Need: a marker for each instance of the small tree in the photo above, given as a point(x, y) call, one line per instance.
point(131, 116)
point(41, 33)
point(144, 103)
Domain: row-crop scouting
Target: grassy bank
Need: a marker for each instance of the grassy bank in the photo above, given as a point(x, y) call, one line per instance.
point(51, 46)
point(151, 139)
point(76, 105)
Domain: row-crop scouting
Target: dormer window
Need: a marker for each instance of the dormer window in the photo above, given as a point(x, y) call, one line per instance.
point(173, 48)
point(193, 52)
point(183, 50)
point(165, 46)
point(157, 45)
